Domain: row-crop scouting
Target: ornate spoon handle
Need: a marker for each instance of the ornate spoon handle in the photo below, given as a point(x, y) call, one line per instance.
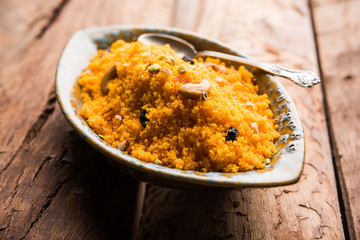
point(300, 77)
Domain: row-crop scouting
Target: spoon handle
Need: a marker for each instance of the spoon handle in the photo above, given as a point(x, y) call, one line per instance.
point(300, 77)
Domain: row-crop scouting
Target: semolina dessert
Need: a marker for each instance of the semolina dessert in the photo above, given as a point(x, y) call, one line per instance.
point(179, 113)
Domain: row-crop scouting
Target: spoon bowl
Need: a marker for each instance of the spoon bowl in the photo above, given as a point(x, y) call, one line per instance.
point(180, 46)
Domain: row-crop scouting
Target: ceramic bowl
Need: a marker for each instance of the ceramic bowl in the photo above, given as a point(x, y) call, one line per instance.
point(285, 167)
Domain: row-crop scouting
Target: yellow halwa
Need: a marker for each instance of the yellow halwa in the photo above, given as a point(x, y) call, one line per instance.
point(179, 132)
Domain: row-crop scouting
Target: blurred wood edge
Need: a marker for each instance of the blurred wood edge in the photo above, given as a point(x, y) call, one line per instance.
point(339, 54)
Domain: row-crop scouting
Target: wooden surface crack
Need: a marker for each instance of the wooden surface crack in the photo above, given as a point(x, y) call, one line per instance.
point(35, 128)
point(319, 230)
point(44, 207)
point(277, 225)
point(47, 158)
point(285, 191)
point(10, 202)
point(317, 170)
point(10, 222)
point(280, 221)
point(55, 14)
point(15, 189)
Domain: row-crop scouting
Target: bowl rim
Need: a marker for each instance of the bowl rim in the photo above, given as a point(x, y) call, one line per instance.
point(213, 179)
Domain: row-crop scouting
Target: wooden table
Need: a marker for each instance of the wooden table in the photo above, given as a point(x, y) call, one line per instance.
point(53, 185)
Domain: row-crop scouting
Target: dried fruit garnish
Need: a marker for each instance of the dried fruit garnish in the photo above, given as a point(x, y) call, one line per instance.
point(193, 91)
point(232, 134)
point(101, 136)
point(143, 118)
point(154, 68)
point(123, 145)
point(170, 60)
point(187, 59)
point(182, 70)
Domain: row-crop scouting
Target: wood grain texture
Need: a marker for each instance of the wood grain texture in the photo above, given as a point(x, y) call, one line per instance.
point(55, 186)
point(63, 190)
point(280, 32)
point(22, 21)
point(52, 184)
point(339, 48)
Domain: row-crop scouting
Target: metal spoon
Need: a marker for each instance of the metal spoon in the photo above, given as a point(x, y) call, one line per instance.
point(183, 48)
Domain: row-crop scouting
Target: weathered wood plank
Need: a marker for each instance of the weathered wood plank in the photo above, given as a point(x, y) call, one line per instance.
point(52, 184)
point(65, 191)
point(280, 32)
point(339, 48)
point(21, 22)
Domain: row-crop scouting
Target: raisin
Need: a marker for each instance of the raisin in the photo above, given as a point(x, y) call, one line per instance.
point(187, 59)
point(232, 134)
point(143, 118)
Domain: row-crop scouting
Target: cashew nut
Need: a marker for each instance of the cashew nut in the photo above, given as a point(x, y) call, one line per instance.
point(193, 91)
point(254, 126)
point(216, 67)
point(165, 71)
point(110, 74)
point(249, 104)
point(123, 145)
